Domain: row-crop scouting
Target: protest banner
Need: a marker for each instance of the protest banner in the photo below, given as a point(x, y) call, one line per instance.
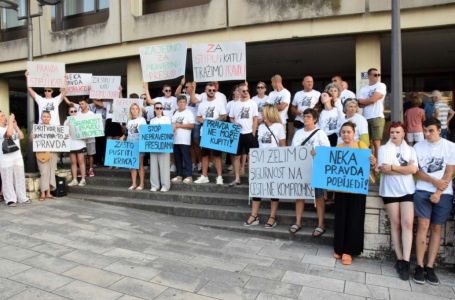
point(122, 154)
point(342, 169)
point(281, 172)
point(156, 138)
point(45, 74)
point(121, 108)
point(78, 84)
point(85, 126)
point(221, 136)
point(51, 138)
point(219, 61)
point(163, 62)
point(105, 87)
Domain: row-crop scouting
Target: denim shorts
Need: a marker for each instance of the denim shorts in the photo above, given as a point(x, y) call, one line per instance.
point(437, 213)
point(318, 193)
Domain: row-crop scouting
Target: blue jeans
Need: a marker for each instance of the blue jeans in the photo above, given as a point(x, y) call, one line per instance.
point(182, 155)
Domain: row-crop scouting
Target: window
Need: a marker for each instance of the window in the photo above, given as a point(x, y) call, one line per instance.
point(11, 27)
point(78, 13)
point(154, 6)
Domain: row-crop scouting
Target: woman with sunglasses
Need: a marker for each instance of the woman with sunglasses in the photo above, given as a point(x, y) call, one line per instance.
point(77, 152)
point(261, 98)
point(160, 175)
point(397, 161)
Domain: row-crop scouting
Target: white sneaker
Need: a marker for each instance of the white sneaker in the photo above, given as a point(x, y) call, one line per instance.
point(73, 182)
point(219, 180)
point(202, 179)
point(164, 189)
point(153, 189)
point(173, 168)
point(82, 183)
point(177, 179)
point(188, 180)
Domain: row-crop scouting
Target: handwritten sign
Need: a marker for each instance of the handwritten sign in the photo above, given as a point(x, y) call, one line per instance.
point(163, 62)
point(121, 108)
point(156, 138)
point(281, 172)
point(78, 84)
point(342, 169)
point(222, 136)
point(45, 74)
point(85, 126)
point(51, 138)
point(105, 87)
point(219, 61)
point(122, 154)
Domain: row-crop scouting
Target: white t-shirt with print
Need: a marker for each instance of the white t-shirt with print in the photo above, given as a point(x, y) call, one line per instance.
point(328, 121)
point(229, 106)
point(360, 128)
point(243, 113)
point(191, 106)
point(211, 110)
point(50, 105)
point(303, 100)
point(278, 97)
point(169, 105)
point(396, 185)
point(218, 97)
point(160, 120)
point(433, 159)
point(132, 126)
point(375, 110)
point(75, 144)
point(182, 136)
point(265, 137)
point(346, 94)
point(260, 102)
point(14, 158)
point(318, 139)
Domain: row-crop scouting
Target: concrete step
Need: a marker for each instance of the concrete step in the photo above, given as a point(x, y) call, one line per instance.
point(163, 203)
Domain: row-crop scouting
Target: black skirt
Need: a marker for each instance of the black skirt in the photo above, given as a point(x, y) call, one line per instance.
point(112, 128)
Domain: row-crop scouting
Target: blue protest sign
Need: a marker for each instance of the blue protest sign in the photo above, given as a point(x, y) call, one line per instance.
point(221, 136)
point(157, 138)
point(341, 169)
point(122, 154)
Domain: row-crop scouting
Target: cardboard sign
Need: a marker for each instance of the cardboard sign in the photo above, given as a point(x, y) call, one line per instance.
point(122, 154)
point(85, 126)
point(281, 173)
point(342, 169)
point(51, 138)
point(219, 61)
point(105, 87)
point(221, 136)
point(45, 74)
point(78, 84)
point(163, 62)
point(156, 138)
point(121, 108)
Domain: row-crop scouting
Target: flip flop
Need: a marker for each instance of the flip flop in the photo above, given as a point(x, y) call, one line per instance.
point(318, 231)
point(295, 228)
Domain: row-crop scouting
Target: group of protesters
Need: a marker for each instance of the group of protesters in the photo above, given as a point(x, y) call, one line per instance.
point(335, 117)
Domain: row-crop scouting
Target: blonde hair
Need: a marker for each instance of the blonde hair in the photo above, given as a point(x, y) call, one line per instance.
point(138, 108)
point(271, 114)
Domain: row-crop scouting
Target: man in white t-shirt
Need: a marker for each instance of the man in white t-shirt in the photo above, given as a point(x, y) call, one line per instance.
point(218, 95)
point(168, 101)
point(306, 98)
point(261, 98)
point(280, 97)
point(48, 103)
point(371, 98)
point(433, 196)
point(345, 93)
point(84, 109)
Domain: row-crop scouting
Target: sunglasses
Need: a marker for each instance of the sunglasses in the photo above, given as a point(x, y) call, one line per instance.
point(245, 91)
point(260, 87)
point(210, 91)
point(158, 108)
point(73, 111)
point(48, 91)
point(167, 91)
point(376, 75)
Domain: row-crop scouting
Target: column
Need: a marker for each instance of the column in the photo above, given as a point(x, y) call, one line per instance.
point(134, 76)
point(367, 55)
point(4, 96)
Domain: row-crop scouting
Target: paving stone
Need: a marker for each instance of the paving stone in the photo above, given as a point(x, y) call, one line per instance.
point(79, 290)
point(18, 240)
point(366, 290)
point(229, 278)
point(138, 288)
point(180, 281)
point(90, 258)
point(33, 293)
point(52, 249)
point(89, 246)
point(361, 265)
point(133, 270)
point(266, 296)
point(264, 272)
point(49, 263)
point(289, 265)
point(52, 238)
point(320, 294)
point(9, 268)
point(167, 265)
point(282, 254)
point(319, 260)
point(10, 288)
point(128, 297)
point(335, 285)
point(274, 287)
point(298, 247)
point(222, 290)
point(41, 279)
point(180, 295)
point(387, 281)
point(440, 290)
point(16, 253)
point(130, 255)
point(336, 273)
point(396, 294)
point(92, 275)
point(218, 264)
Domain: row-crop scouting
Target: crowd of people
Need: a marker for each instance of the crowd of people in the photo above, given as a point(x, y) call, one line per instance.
point(334, 117)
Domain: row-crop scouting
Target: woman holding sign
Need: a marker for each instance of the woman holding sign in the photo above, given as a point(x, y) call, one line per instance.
point(349, 208)
point(77, 152)
point(271, 133)
point(397, 162)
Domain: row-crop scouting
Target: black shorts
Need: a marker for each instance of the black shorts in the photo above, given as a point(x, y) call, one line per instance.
point(210, 152)
point(259, 199)
point(246, 142)
point(405, 198)
point(83, 150)
point(112, 128)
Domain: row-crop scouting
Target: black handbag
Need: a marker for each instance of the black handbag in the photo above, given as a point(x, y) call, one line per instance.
point(9, 146)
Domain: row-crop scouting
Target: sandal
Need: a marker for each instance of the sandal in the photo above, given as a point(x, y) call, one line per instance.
point(295, 228)
point(42, 198)
point(271, 225)
point(131, 188)
point(252, 223)
point(318, 231)
point(139, 188)
point(346, 259)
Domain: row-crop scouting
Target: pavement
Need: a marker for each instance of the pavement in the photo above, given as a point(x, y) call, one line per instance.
point(72, 249)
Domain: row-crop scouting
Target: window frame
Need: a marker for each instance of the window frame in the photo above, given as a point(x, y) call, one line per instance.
point(12, 33)
point(163, 5)
point(61, 22)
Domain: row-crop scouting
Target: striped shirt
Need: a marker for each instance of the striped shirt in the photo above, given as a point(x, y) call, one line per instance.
point(442, 110)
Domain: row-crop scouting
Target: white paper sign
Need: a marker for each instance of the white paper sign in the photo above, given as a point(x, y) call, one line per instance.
point(78, 84)
point(163, 62)
point(219, 61)
point(105, 87)
point(45, 74)
point(281, 173)
point(51, 138)
point(121, 107)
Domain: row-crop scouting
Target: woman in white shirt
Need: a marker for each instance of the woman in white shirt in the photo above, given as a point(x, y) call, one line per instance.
point(77, 152)
point(397, 162)
point(328, 117)
point(271, 133)
point(132, 135)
